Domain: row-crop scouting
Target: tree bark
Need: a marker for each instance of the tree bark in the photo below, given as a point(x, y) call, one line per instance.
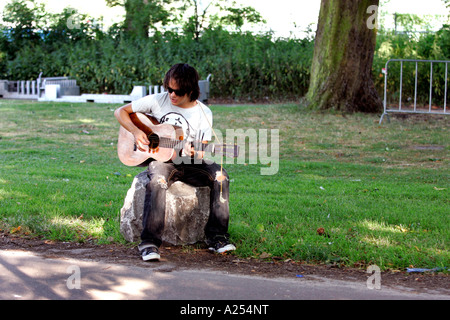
point(141, 15)
point(341, 71)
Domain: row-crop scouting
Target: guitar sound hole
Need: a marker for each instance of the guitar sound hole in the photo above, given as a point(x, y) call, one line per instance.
point(154, 141)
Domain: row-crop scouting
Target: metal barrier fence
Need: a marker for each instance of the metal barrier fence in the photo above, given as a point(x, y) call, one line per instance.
point(409, 104)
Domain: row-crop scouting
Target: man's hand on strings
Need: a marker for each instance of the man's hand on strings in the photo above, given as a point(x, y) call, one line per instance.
point(141, 140)
point(193, 153)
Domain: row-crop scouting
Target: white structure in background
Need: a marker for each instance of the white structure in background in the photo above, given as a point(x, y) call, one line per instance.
point(63, 89)
point(34, 89)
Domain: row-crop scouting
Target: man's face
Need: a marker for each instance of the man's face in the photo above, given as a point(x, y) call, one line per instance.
point(179, 101)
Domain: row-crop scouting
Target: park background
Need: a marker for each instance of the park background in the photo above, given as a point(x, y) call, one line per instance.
point(349, 192)
point(248, 59)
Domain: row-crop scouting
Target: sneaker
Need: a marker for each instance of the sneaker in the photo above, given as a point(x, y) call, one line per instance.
point(221, 245)
point(150, 253)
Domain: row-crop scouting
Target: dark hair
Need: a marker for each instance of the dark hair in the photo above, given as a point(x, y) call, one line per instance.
point(186, 78)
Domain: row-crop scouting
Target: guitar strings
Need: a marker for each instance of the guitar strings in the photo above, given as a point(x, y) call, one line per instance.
point(165, 142)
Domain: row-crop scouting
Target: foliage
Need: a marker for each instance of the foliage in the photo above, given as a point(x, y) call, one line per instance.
point(196, 18)
point(244, 66)
point(142, 15)
point(26, 18)
point(238, 16)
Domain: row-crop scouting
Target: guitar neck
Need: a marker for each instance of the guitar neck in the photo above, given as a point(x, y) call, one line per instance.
point(160, 136)
point(223, 149)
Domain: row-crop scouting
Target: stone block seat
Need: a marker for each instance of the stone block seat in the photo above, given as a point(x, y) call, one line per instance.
point(187, 212)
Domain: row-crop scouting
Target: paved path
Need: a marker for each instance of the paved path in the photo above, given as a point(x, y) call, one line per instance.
point(26, 275)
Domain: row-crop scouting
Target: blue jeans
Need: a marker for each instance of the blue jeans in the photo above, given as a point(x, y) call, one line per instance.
point(162, 175)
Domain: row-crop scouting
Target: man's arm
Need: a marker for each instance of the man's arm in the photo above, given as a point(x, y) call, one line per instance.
point(123, 116)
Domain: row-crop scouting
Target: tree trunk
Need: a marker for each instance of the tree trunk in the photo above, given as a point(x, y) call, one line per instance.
point(137, 21)
point(341, 72)
point(141, 15)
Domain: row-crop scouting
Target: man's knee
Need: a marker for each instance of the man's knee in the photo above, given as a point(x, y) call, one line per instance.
point(158, 181)
point(157, 173)
point(221, 175)
point(158, 167)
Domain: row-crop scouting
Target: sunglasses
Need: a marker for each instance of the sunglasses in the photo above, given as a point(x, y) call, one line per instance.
point(179, 92)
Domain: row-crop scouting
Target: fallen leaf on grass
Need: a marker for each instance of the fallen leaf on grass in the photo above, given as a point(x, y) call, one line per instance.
point(15, 230)
point(321, 232)
point(401, 228)
point(264, 255)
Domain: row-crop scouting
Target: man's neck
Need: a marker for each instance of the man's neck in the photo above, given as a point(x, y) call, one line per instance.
point(189, 104)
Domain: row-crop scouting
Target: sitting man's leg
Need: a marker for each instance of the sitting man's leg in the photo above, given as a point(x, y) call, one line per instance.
point(216, 178)
point(160, 175)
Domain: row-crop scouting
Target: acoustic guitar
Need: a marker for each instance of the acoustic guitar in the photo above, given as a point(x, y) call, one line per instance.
point(166, 143)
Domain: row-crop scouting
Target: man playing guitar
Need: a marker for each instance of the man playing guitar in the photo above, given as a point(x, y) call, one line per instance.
point(179, 107)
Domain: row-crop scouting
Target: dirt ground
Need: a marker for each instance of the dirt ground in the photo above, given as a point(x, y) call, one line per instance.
point(200, 258)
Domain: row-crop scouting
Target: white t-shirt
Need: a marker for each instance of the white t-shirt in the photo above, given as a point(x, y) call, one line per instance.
point(192, 120)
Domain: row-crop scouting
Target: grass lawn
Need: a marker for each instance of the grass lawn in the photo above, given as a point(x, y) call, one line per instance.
point(376, 194)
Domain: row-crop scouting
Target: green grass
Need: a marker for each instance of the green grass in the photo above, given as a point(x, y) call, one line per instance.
point(379, 192)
